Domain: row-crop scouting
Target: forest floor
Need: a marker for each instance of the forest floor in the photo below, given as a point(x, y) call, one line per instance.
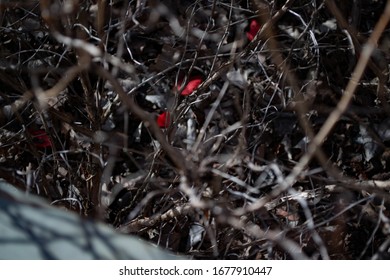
point(215, 129)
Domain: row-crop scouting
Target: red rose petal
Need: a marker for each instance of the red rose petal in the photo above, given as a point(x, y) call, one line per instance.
point(254, 27)
point(192, 85)
point(164, 119)
point(40, 138)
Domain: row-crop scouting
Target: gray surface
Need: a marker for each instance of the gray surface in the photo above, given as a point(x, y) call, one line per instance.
point(30, 229)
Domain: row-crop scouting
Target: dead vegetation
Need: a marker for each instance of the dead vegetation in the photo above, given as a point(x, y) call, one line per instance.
point(216, 129)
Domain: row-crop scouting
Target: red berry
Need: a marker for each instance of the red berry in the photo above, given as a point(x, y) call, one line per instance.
point(254, 27)
point(40, 138)
point(164, 119)
point(192, 85)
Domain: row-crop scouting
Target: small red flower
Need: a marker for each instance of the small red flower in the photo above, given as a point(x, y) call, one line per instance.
point(191, 86)
point(40, 138)
point(254, 27)
point(164, 119)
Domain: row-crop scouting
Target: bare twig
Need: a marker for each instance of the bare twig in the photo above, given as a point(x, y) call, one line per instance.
point(344, 101)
